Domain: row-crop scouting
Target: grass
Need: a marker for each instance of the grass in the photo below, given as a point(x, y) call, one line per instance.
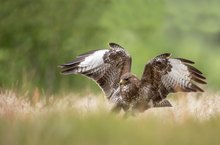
point(71, 119)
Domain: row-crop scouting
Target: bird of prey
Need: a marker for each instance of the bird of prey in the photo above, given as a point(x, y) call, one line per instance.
point(111, 70)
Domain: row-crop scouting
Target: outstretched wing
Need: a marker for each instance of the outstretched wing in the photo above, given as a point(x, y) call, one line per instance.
point(104, 66)
point(164, 75)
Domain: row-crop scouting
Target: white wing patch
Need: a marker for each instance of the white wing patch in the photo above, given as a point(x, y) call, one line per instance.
point(94, 60)
point(178, 65)
point(178, 76)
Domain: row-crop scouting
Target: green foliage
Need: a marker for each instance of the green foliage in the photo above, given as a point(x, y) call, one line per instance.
point(38, 35)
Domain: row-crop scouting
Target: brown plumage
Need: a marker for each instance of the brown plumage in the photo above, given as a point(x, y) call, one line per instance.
point(111, 69)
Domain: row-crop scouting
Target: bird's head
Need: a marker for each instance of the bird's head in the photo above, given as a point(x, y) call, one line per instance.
point(128, 78)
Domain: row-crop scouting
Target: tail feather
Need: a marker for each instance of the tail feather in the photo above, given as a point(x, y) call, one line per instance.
point(163, 103)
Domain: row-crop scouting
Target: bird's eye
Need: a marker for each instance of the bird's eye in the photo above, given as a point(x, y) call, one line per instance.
point(126, 79)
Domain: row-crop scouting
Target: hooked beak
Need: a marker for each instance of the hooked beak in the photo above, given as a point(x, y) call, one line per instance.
point(121, 82)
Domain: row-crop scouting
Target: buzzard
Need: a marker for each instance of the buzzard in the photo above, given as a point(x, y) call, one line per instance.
point(111, 70)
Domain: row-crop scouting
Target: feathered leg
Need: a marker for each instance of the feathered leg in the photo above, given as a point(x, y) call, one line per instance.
point(118, 107)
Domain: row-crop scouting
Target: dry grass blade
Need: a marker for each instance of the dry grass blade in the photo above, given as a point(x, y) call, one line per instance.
point(191, 105)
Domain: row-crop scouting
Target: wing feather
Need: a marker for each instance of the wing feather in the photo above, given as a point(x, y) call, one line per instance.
point(104, 66)
point(164, 75)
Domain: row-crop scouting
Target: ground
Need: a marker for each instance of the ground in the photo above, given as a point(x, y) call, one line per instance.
point(73, 119)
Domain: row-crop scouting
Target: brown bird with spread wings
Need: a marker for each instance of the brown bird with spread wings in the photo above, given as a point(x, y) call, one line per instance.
point(111, 69)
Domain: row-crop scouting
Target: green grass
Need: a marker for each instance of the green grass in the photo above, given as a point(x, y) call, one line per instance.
point(194, 119)
point(69, 128)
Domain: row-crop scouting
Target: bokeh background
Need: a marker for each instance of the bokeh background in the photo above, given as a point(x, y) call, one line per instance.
point(39, 106)
point(38, 35)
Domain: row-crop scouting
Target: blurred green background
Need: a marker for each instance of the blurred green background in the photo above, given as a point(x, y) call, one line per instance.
point(38, 35)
